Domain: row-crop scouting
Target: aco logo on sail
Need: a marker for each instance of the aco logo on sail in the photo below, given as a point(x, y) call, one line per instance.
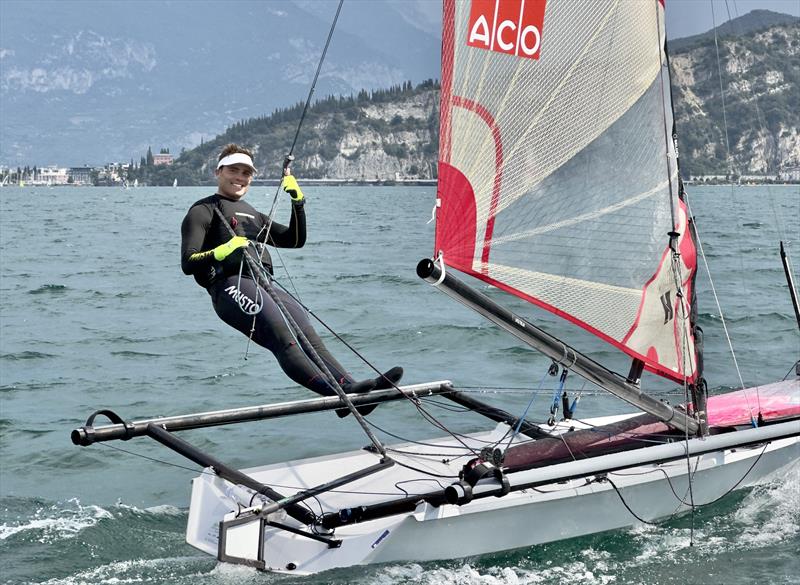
point(513, 27)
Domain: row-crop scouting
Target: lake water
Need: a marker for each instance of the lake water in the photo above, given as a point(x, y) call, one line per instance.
point(97, 314)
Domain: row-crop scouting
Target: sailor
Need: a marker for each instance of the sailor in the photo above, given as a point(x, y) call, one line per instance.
point(214, 258)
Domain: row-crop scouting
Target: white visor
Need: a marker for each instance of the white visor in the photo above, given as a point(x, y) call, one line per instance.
point(237, 158)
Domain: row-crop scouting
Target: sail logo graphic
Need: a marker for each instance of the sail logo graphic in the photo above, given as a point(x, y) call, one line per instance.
point(513, 27)
point(667, 304)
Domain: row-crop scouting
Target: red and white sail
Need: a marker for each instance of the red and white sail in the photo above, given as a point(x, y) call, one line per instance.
point(558, 177)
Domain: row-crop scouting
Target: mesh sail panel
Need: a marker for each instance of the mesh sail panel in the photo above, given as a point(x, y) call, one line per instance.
point(557, 174)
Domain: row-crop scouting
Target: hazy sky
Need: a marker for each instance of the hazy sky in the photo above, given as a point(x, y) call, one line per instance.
point(691, 17)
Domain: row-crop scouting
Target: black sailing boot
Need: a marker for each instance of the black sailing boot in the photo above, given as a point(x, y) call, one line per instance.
point(386, 380)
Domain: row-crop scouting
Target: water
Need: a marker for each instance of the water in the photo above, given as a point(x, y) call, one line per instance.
point(96, 314)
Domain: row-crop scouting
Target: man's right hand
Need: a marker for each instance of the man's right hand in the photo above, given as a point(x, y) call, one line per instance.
point(224, 250)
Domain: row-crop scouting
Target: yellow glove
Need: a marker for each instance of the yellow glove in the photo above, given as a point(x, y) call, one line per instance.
point(224, 250)
point(292, 188)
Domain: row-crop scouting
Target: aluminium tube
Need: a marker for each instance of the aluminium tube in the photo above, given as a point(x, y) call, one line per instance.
point(192, 453)
point(556, 350)
point(86, 435)
point(790, 281)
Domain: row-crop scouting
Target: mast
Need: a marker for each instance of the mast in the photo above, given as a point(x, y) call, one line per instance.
point(555, 349)
point(790, 282)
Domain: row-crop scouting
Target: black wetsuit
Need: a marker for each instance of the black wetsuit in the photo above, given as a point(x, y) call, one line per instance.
point(237, 300)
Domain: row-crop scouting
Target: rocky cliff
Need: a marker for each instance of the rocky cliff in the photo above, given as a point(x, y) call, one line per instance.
point(755, 118)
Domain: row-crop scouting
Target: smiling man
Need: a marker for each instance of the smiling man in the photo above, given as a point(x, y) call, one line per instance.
point(214, 258)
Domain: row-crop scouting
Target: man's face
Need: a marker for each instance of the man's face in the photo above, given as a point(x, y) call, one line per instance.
point(234, 180)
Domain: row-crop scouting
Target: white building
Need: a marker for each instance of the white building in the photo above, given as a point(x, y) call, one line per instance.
point(51, 176)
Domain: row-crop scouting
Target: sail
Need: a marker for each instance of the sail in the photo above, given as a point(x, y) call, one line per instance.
point(558, 177)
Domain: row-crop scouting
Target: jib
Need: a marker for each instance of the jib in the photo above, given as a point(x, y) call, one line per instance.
point(513, 27)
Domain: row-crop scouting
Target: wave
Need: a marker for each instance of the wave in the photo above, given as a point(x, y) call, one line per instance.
point(175, 570)
point(26, 355)
point(319, 243)
point(47, 524)
point(755, 317)
point(49, 289)
point(135, 354)
point(384, 279)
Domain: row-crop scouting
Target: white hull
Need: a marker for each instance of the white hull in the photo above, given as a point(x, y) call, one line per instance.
point(547, 513)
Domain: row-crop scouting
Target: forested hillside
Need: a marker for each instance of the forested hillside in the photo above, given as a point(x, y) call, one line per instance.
point(392, 134)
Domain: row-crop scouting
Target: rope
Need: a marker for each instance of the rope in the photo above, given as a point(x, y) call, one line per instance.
point(719, 308)
point(290, 155)
point(415, 401)
point(258, 274)
point(691, 503)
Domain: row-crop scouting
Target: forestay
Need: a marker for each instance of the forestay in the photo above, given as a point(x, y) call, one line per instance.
point(558, 173)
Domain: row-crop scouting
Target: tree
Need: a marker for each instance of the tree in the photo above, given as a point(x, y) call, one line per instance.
point(149, 159)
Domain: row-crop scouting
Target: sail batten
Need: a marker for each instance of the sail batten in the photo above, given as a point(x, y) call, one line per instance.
point(557, 178)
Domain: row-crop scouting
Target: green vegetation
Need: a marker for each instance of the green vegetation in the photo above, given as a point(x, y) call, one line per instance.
point(326, 123)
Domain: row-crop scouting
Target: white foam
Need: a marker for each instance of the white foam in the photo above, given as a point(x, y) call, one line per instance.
point(771, 513)
point(57, 522)
point(162, 510)
point(131, 571)
point(571, 573)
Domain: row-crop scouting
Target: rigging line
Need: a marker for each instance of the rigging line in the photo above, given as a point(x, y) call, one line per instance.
point(316, 75)
point(719, 307)
point(415, 401)
point(689, 474)
point(290, 155)
point(594, 393)
point(778, 218)
point(154, 460)
point(397, 485)
point(759, 115)
point(423, 472)
point(627, 507)
point(662, 46)
point(728, 159)
point(527, 408)
point(259, 305)
point(680, 499)
point(204, 472)
point(793, 368)
point(728, 154)
point(305, 345)
point(691, 504)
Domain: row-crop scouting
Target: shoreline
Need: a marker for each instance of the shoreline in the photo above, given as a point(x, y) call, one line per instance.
point(379, 183)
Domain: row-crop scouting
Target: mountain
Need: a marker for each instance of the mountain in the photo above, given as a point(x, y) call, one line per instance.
point(751, 22)
point(760, 118)
point(94, 81)
point(382, 135)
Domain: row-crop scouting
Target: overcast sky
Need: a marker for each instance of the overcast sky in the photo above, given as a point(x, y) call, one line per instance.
point(691, 17)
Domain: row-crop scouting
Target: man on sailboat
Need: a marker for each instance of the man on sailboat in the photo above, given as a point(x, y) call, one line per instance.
point(214, 258)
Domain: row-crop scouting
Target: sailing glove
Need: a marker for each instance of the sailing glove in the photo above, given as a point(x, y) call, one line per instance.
point(292, 188)
point(224, 250)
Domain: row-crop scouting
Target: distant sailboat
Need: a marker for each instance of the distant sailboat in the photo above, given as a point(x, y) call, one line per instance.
point(136, 182)
point(175, 183)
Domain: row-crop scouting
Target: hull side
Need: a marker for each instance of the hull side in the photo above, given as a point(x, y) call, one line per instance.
point(548, 513)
